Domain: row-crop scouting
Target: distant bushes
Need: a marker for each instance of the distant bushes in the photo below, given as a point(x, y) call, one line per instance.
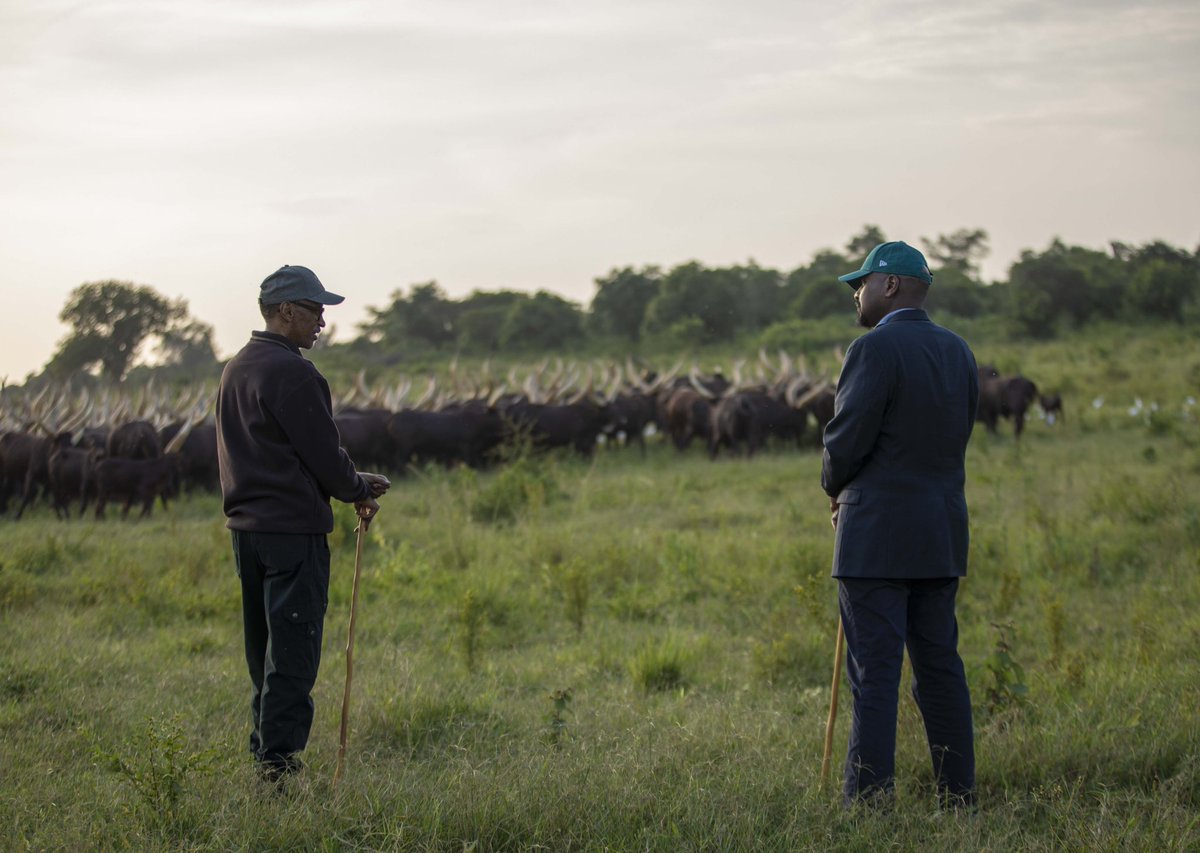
point(691, 305)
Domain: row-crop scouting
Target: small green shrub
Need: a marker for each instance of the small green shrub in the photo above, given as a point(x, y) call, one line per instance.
point(560, 706)
point(519, 486)
point(1006, 686)
point(158, 763)
point(17, 589)
point(1126, 498)
point(471, 619)
point(423, 724)
point(577, 589)
point(17, 683)
point(40, 556)
point(660, 666)
point(789, 658)
point(1056, 621)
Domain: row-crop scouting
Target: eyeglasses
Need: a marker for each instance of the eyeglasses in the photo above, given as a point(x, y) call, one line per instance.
point(317, 311)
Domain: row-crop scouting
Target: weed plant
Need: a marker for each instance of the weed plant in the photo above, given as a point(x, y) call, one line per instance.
point(679, 616)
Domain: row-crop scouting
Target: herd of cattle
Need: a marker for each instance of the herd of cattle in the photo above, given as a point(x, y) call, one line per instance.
point(70, 448)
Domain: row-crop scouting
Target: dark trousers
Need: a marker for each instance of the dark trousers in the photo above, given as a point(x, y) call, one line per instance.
point(285, 589)
point(882, 618)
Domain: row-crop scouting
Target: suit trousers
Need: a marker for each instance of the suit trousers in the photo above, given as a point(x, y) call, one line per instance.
point(285, 591)
point(882, 618)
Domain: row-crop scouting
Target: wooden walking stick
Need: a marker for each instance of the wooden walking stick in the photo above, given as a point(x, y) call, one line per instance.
point(363, 523)
point(833, 701)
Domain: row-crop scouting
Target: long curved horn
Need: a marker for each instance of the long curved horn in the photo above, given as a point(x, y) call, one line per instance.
point(634, 378)
point(174, 445)
point(789, 392)
point(430, 391)
point(43, 427)
point(695, 382)
point(668, 377)
point(801, 365)
point(531, 391)
point(811, 394)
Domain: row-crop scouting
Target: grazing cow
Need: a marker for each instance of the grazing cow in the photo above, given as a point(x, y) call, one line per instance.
point(93, 438)
point(750, 418)
point(1004, 397)
point(24, 456)
point(629, 413)
point(134, 440)
point(467, 434)
point(198, 467)
point(574, 425)
point(70, 470)
point(821, 406)
point(1052, 407)
point(365, 437)
point(135, 479)
point(688, 413)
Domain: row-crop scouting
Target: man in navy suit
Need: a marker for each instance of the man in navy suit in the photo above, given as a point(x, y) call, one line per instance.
point(893, 468)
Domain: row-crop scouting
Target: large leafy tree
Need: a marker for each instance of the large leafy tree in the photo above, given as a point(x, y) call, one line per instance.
point(961, 250)
point(1161, 281)
point(1063, 283)
point(955, 292)
point(110, 320)
point(692, 291)
point(546, 321)
point(188, 344)
point(760, 294)
point(814, 289)
point(481, 318)
point(424, 315)
point(954, 260)
point(619, 306)
point(861, 244)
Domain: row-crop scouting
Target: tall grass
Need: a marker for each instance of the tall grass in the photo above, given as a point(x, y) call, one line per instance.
point(632, 654)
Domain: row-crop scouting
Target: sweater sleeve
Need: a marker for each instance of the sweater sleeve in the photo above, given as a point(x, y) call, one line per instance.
point(306, 415)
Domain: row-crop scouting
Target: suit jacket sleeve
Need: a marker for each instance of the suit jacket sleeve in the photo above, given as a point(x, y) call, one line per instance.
point(861, 401)
point(972, 393)
point(306, 415)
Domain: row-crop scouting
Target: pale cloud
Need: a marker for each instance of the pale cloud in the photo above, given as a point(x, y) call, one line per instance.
point(195, 146)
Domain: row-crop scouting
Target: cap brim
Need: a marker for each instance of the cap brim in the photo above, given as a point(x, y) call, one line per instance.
point(328, 298)
point(851, 278)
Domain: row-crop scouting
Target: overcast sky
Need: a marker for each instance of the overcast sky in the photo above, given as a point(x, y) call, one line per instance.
point(197, 146)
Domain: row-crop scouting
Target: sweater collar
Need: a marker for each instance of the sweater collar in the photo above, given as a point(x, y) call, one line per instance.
point(272, 338)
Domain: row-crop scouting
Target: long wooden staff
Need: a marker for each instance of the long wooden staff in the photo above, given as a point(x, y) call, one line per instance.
point(833, 700)
point(363, 523)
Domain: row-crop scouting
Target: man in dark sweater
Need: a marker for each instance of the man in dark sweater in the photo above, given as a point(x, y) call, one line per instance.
point(281, 461)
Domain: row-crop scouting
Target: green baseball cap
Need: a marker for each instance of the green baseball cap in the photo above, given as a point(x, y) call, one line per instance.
point(894, 258)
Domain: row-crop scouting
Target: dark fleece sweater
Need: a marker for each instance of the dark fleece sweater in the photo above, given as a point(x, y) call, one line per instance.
point(278, 448)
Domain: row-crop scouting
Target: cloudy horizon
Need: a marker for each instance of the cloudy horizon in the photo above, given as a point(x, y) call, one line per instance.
point(194, 147)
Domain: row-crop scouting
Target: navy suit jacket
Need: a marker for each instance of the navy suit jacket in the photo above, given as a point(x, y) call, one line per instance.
point(894, 451)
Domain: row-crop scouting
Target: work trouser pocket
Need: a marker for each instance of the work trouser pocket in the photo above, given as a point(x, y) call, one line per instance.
point(297, 587)
point(296, 643)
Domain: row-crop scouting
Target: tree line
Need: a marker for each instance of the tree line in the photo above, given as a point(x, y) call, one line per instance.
point(687, 306)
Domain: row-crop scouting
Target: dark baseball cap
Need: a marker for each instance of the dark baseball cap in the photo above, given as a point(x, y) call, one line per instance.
point(292, 283)
point(895, 258)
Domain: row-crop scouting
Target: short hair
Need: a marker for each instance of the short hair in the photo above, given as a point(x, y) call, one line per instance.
point(912, 284)
point(268, 311)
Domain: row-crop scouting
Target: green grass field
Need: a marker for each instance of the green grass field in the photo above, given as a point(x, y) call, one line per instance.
point(634, 654)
